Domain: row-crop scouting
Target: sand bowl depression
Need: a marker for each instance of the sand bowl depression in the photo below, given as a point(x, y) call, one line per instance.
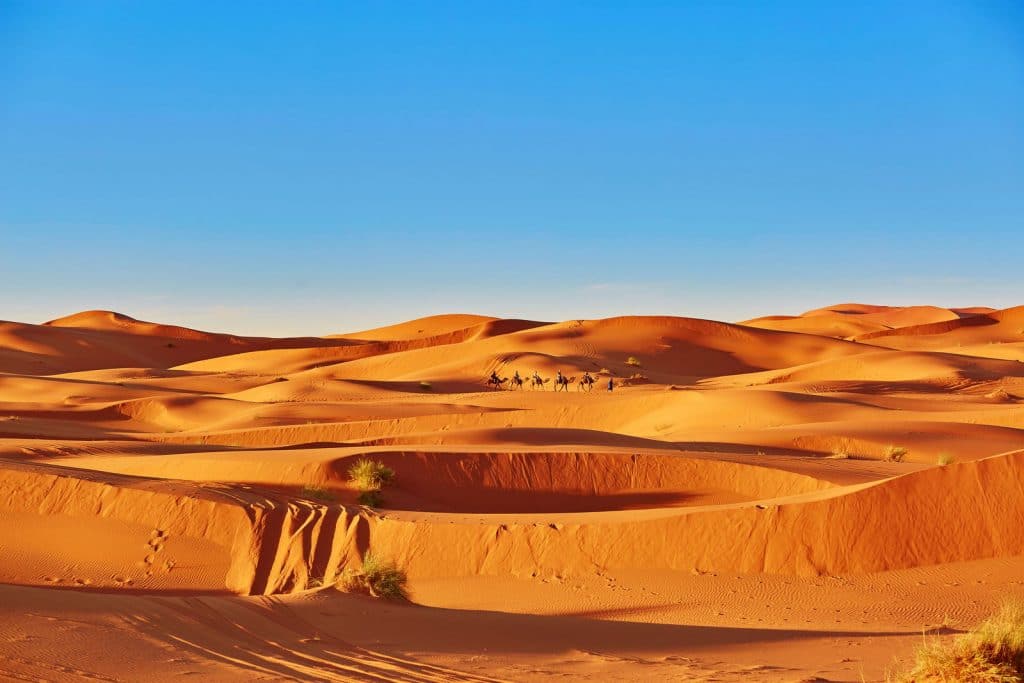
point(572, 482)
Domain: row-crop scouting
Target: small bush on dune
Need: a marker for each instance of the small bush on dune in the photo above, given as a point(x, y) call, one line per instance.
point(895, 453)
point(634, 361)
point(378, 577)
point(370, 499)
point(991, 653)
point(316, 493)
point(946, 459)
point(839, 454)
point(384, 578)
point(370, 475)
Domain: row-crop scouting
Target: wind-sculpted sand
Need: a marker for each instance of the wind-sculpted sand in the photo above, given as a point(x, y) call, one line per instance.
point(733, 510)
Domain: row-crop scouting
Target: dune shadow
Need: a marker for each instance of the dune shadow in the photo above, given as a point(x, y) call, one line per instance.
point(490, 500)
point(481, 630)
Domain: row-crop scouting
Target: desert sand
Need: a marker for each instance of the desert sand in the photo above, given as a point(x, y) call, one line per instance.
point(176, 503)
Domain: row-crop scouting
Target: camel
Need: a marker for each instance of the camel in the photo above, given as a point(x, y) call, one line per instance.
point(586, 383)
point(563, 382)
point(516, 382)
point(496, 382)
point(536, 382)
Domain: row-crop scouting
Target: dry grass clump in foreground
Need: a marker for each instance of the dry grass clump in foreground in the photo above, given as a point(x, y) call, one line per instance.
point(992, 653)
point(895, 453)
point(377, 577)
point(946, 459)
point(839, 454)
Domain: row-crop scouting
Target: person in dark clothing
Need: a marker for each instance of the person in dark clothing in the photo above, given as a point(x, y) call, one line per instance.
point(611, 384)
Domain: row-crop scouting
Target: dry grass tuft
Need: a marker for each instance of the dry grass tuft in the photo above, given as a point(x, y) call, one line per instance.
point(316, 493)
point(992, 653)
point(377, 577)
point(370, 475)
point(895, 453)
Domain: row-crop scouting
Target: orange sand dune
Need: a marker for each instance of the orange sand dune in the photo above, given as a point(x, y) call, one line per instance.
point(727, 513)
point(996, 327)
point(860, 320)
point(430, 326)
point(103, 339)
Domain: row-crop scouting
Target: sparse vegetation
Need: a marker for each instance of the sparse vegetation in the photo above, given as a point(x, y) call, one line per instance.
point(946, 459)
point(894, 453)
point(426, 386)
point(317, 493)
point(370, 499)
point(378, 577)
point(370, 476)
point(991, 653)
point(634, 361)
point(839, 454)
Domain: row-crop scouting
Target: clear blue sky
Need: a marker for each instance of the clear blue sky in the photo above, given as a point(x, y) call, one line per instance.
point(308, 167)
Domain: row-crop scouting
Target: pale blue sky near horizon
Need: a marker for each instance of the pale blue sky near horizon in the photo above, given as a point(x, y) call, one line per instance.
point(312, 168)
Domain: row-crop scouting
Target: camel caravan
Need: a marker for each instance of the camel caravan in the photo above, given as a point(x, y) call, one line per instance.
point(561, 382)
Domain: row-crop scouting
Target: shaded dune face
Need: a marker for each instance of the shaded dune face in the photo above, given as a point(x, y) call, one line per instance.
point(573, 482)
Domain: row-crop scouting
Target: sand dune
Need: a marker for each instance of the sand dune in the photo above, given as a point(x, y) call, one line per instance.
point(726, 512)
point(861, 321)
point(103, 339)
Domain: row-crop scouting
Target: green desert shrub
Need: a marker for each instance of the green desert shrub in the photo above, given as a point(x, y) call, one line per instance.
point(991, 653)
point(379, 577)
point(634, 361)
point(383, 578)
point(370, 499)
point(316, 493)
point(895, 453)
point(946, 459)
point(370, 475)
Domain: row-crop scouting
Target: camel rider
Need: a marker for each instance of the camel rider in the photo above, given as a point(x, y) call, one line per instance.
point(517, 378)
point(587, 379)
point(494, 377)
point(558, 379)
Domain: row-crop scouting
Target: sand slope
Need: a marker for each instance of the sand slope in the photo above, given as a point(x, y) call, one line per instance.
point(726, 513)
